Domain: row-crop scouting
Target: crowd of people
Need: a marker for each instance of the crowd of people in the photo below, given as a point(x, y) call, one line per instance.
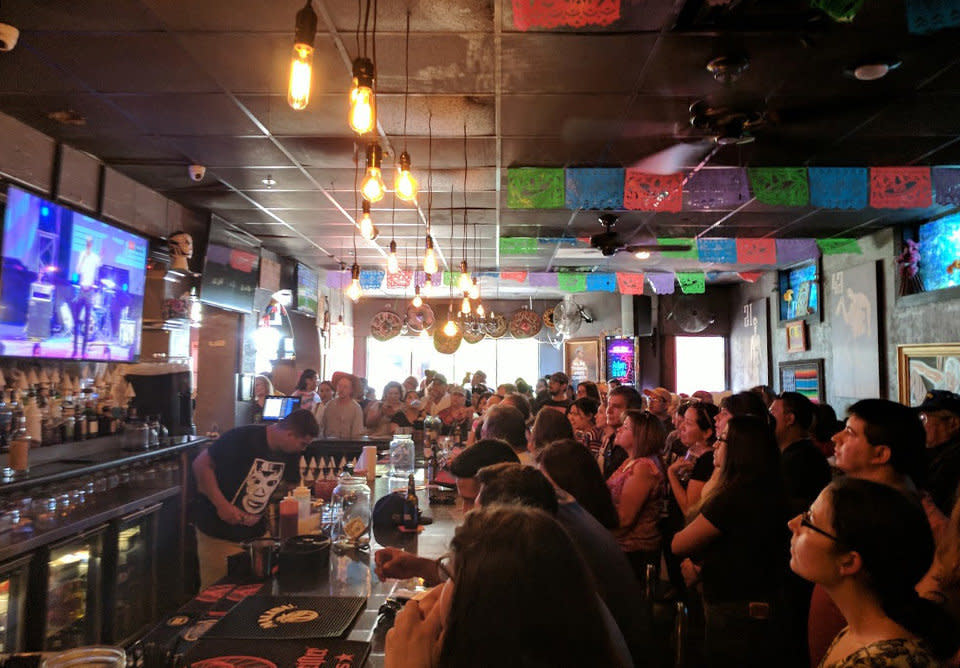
point(803, 540)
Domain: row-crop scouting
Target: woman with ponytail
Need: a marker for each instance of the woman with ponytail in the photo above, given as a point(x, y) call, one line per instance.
point(867, 545)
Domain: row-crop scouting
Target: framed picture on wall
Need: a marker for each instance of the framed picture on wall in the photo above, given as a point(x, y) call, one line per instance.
point(798, 291)
point(927, 366)
point(581, 360)
point(805, 377)
point(796, 336)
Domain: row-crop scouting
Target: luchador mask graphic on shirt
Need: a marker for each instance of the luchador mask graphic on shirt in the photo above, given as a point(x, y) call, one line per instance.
point(261, 480)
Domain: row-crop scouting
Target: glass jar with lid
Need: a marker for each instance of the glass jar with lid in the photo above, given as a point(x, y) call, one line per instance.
point(402, 454)
point(350, 506)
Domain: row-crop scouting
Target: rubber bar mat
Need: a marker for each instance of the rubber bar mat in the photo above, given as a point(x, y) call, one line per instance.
point(224, 653)
point(278, 617)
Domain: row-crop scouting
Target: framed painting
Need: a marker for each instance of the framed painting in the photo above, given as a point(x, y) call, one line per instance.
point(581, 360)
point(796, 336)
point(853, 312)
point(927, 366)
point(750, 346)
point(798, 292)
point(805, 377)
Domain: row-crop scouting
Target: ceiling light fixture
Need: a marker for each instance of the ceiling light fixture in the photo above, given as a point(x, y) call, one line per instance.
point(372, 187)
point(464, 283)
point(480, 310)
point(642, 255)
point(430, 258)
point(368, 230)
point(417, 300)
point(363, 116)
point(465, 307)
point(301, 65)
point(874, 70)
point(355, 290)
point(474, 290)
point(451, 329)
point(404, 185)
point(268, 181)
point(393, 262)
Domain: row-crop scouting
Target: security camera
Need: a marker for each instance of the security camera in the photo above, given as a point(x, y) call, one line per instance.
point(8, 37)
point(197, 172)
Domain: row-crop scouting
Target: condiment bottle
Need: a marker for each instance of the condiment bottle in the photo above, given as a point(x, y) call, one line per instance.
point(20, 447)
point(411, 510)
point(289, 517)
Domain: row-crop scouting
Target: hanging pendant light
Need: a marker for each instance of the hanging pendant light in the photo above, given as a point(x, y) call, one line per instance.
point(451, 329)
point(465, 307)
point(474, 290)
point(430, 258)
point(481, 312)
point(355, 291)
point(301, 65)
point(368, 230)
point(393, 262)
point(404, 184)
point(372, 187)
point(417, 300)
point(362, 113)
point(464, 282)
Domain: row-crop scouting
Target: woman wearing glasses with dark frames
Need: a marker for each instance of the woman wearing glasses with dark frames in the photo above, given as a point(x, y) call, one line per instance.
point(868, 545)
point(737, 535)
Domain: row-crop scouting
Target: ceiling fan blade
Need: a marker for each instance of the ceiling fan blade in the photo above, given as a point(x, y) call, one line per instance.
point(657, 248)
point(672, 160)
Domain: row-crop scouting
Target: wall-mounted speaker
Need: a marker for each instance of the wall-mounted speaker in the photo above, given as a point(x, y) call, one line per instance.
point(643, 315)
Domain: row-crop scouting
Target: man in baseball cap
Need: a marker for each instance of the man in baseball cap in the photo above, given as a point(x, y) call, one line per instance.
point(486, 452)
point(940, 414)
point(557, 384)
point(658, 403)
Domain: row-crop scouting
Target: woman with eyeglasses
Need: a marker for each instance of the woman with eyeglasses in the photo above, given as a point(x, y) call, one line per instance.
point(869, 545)
point(737, 534)
point(689, 474)
point(518, 594)
point(638, 489)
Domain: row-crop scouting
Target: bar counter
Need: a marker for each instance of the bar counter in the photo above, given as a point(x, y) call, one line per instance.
point(350, 573)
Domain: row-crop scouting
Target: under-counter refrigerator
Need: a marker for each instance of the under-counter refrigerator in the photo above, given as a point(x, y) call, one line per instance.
point(14, 576)
point(131, 572)
point(71, 582)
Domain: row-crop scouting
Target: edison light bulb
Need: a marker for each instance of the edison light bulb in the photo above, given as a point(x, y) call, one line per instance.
point(301, 74)
point(404, 184)
point(464, 282)
point(642, 255)
point(354, 291)
point(450, 329)
point(465, 305)
point(372, 186)
point(301, 65)
point(474, 290)
point(367, 229)
point(393, 262)
point(430, 258)
point(480, 311)
point(362, 115)
point(417, 299)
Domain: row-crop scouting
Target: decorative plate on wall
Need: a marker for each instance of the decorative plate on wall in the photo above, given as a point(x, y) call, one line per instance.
point(548, 318)
point(447, 344)
point(525, 323)
point(496, 326)
point(473, 333)
point(419, 319)
point(385, 325)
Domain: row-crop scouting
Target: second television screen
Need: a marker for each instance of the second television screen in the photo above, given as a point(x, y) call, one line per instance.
point(72, 286)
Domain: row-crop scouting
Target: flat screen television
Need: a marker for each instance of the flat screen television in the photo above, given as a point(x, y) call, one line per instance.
point(308, 289)
point(231, 268)
point(799, 292)
point(71, 286)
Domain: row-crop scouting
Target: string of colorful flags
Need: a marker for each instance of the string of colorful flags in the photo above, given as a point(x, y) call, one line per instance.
point(923, 16)
point(851, 188)
point(747, 251)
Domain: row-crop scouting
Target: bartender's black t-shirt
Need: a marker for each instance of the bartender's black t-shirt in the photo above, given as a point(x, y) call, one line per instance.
point(247, 473)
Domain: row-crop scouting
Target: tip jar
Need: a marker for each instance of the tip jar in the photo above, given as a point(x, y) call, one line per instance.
point(350, 504)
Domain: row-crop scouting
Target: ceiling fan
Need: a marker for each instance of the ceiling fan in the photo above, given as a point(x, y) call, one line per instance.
point(609, 242)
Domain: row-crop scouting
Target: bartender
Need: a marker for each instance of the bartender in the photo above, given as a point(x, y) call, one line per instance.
point(236, 476)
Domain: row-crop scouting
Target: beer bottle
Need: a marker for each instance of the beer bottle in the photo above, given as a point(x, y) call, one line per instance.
point(411, 511)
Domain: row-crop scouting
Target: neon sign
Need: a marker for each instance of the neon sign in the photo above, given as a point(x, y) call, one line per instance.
point(621, 358)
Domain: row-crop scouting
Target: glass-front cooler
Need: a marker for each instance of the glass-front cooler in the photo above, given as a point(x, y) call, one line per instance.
point(13, 590)
point(74, 605)
point(133, 591)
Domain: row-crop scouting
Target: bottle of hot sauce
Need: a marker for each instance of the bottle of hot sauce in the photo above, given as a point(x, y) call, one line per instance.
point(411, 510)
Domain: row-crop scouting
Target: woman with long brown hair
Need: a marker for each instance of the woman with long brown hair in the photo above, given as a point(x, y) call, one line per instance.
point(638, 490)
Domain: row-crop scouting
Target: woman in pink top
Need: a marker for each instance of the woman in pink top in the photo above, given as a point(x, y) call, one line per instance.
point(638, 489)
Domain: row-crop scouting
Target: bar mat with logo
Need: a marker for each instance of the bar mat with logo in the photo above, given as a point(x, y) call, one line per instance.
point(278, 617)
point(309, 653)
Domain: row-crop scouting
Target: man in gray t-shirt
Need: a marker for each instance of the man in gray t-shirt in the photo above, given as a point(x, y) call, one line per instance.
point(342, 417)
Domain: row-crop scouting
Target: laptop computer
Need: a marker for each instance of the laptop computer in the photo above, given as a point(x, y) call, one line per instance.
point(277, 407)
